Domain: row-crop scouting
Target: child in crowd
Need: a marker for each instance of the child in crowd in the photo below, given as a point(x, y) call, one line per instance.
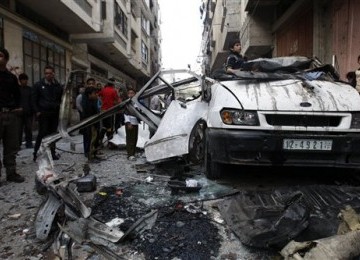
point(131, 130)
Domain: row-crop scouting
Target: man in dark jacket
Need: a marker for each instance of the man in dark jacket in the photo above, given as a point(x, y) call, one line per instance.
point(27, 114)
point(9, 118)
point(46, 99)
point(90, 133)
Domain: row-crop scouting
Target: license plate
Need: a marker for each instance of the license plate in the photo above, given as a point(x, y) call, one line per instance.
point(307, 144)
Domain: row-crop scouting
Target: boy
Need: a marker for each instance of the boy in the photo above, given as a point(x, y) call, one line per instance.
point(234, 61)
point(27, 115)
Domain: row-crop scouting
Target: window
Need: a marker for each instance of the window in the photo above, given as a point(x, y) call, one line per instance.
point(145, 24)
point(39, 52)
point(121, 21)
point(144, 52)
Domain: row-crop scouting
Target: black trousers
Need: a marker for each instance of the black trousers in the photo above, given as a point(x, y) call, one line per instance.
point(107, 128)
point(90, 139)
point(26, 123)
point(48, 124)
point(119, 120)
point(131, 139)
point(9, 134)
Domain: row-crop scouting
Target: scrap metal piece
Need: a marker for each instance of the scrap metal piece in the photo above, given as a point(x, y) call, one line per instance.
point(72, 199)
point(89, 229)
point(62, 246)
point(99, 229)
point(78, 232)
point(266, 224)
point(46, 215)
point(144, 223)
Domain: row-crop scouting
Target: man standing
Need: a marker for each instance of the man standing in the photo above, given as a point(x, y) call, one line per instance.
point(109, 98)
point(90, 82)
point(47, 95)
point(27, 115)
point(90, 133)
point(9, 119)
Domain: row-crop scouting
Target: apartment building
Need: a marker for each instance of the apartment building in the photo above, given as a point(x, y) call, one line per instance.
point(110, 38)
point(326, 29)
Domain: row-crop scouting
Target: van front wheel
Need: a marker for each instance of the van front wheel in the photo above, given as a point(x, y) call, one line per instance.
point(212, 169)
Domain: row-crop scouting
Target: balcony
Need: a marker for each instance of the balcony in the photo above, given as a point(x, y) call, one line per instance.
point(250, 5)
point(71, 16)
point(256, 38)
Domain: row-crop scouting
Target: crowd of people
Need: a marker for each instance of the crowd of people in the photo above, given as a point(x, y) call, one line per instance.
point(21, 105)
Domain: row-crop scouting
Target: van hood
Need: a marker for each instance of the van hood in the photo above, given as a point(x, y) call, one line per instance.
point(292, 95)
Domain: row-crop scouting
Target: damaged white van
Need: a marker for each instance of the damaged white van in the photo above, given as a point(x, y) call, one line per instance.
point(287, 111)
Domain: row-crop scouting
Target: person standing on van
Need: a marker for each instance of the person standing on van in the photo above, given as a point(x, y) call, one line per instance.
point(9, 119)
point(26, 121)
point(47, 94)
point(235, 60)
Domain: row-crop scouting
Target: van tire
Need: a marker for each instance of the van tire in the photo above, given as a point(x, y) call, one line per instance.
point(197, 143)
point(212, 169)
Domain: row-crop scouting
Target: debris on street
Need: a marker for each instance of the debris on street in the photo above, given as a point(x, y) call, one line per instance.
point(345, 246)
point(142, 213)
point(270, 219)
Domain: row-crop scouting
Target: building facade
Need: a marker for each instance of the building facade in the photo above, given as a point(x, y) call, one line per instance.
point(110, 38)
point(325, 29)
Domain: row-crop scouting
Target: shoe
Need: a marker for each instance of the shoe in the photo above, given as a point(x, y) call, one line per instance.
point(132, 158)
point(100, 158)
point(35, 156)
point(99, 152)
point(15, 178)
point(111, 146)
